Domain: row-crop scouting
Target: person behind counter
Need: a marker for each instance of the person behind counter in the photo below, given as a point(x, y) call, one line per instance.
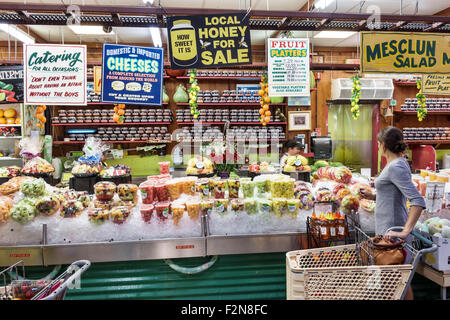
point(290, 148)
point(393, 187)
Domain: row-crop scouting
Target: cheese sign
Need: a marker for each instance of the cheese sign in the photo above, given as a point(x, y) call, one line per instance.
point(436, 84)
point(404, 52)
point(132, 75)
point(209, 41)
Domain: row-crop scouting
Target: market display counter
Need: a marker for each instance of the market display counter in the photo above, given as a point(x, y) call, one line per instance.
point(442, 278)
point(36, 255)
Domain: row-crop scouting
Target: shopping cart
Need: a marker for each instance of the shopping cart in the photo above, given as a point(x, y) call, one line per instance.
point(54, 289)
point(348, 272)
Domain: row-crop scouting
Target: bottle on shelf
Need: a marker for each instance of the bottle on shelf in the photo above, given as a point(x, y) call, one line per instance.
point(324, 227)
point(342, 231)
point(331, 225)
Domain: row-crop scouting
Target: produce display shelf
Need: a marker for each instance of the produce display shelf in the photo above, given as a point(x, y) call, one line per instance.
point(10, 125)
point(109, 124)
point(223, 78)
point(11, 137)
point(10, 158)
point(112, 104)
point(135, 141)
point(10, 102)
point(443, 113)
point(405, 83)
point(427, 141)
point(233, 123)
point(232, 104)
point(237, 140)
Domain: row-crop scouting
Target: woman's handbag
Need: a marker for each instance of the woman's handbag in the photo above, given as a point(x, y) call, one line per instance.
point(382, 251)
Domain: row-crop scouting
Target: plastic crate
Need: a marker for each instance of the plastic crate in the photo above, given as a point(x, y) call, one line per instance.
point(334, 273)
point(83, 183)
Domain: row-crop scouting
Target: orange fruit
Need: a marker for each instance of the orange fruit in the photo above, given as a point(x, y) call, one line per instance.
point(39, 110)
point(115, 109)
point(261, 102)
point(261, 92)
point(17, 120)
point(267, 89)
point(10, 113)
point(121, 106)
point(266, 107)
point(261, 111)
point(43, 107)
point(267, 113)
point(264, 123)
point(267, 119)
point(116, 118)
point(11, 120)
point(266, 99)
point(1, 113)
point(121, 112)
point(2, 120)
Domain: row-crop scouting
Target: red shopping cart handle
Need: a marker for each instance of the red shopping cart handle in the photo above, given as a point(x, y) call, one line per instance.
point(56, 286)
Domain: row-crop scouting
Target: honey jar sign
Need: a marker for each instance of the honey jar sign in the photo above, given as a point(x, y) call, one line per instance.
point(183, 43)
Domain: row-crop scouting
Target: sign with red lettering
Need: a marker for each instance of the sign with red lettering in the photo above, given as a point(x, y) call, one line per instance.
point(288, 64)
point(55, 74)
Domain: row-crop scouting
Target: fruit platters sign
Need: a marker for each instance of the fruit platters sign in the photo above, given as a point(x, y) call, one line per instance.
point(288, 61)
point(206, 41)
point(132, 75)
point(55, 74)
point(11, 84)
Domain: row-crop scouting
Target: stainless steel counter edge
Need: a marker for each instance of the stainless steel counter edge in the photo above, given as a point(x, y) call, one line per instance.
point(150, 249)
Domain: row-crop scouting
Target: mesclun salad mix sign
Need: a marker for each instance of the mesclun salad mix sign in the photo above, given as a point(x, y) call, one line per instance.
point(404, 52)
point(209, 41)
point(288, 61)
point(55, 74)
point(132, 75)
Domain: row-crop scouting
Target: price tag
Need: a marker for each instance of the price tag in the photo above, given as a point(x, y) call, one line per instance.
point(434, 194)
point(200, 165)
point(117, 154)
point(323, 207)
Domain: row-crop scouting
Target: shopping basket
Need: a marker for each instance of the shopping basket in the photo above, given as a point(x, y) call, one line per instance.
point(343, 273)
point(54, 289)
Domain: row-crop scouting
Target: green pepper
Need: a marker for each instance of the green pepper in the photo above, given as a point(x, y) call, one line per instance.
point(8, 87)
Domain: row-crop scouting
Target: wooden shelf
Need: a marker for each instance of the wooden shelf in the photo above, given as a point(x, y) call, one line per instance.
point(428, 112)
point(109, 124)
point(224, 104)
point(234, 123)
point(11, 137)
point(223, 78)
point(405, 83)
point(104, 104)
point(427, 141)
point(136, 141)
point(10, 125)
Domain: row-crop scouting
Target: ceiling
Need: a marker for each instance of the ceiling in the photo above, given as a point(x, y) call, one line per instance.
point(142, 35)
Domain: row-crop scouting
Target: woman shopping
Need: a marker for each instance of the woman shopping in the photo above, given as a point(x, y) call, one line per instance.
point(393, 187)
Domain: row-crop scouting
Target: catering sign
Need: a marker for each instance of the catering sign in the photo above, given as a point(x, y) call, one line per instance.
point(404, 52)
point(132, 75)
point(55, 74)
point(209, 40)
point(436, 84)
point(288, 61)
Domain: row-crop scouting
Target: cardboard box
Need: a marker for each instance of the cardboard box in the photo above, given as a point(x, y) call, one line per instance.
point(440, 259)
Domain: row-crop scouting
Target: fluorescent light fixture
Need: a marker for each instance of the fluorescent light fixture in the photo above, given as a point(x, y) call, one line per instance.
point(92, 30)
point(322, 4)
point(156, 36)
point(334, 34)
point(17, 33)
point(148, 1)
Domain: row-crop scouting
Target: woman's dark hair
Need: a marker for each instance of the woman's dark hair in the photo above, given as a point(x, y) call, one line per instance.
point(290, 144)
point(393, 139)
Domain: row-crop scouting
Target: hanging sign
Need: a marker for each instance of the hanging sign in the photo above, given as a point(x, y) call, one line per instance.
point(436, 84)
point(11, 83)
point(132, 75)
point(405, 52)
point(98, 79)
point(209, 41)
point(55, 74)
point(288, 61)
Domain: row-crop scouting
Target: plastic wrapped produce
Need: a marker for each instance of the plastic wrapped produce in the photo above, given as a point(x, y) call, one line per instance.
point(338, 187)
point(103, 204)
point(10, 172)
point(367, 205)
point(202, 187)
point(279, 206)
point(37, 165)
point(5, 206)
point(71, 209)
point(119, 214)
point(127, 191)
point(147, 212)
point(13, 185)
point(33, 188)
point(193, 209)
point(164, 167)
point(282, 188)
point(265, 206)
point(47, 205)
point(161, 192)
point(355, 189)
point(251, 206)
point(288, 189)
point(325, 195)
point(237, 206)
point(177, 212)
point(189, 185)
point(342, 193)
point(104, 190)
point(260, 187)
point(146, 192)
point(23, 212)
point(175, 189)
point(163, 210)
point(248, 188)
point(306, 201)
point(98, 216)
point(129, 204)
point(86, 169)
point(350, 203)
point(233, 188)
point(221, 206)
point(219, 188)
point(206, 207)
point(293, 206)
point(85, 199)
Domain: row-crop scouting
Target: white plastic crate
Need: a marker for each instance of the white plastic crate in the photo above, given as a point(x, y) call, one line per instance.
point(440, 259)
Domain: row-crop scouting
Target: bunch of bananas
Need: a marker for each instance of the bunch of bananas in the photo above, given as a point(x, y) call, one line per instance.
point(193, 91)
point(264, 102)
point(356, 93)
point(119, 111)
point(421, 98)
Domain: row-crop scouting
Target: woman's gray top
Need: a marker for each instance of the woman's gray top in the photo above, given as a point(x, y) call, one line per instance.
point(394, 186)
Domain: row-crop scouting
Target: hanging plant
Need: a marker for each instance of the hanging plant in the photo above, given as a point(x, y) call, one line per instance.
point(421, 98)
point(264, 101)
point(40, 116)
point(193, 91)
point(356, 94)
point(119, 111)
